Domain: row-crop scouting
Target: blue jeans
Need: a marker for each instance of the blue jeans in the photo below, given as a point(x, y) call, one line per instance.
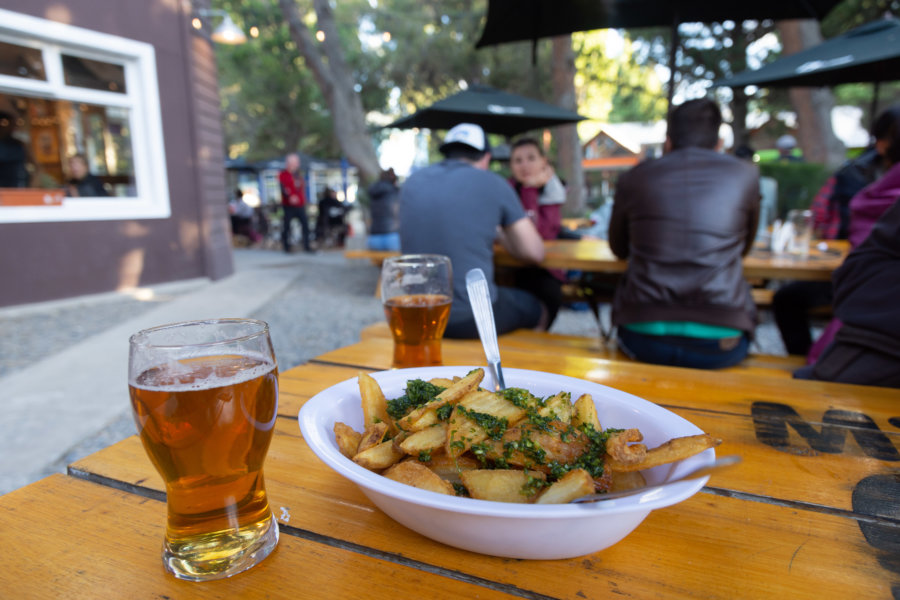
point(677, 351)
point(384, 241)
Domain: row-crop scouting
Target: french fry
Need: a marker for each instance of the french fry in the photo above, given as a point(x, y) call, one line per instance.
point(585, 411)
point(558, 407)
point(378, 457)
point(414, 473)
point(449, 469)
point(618, 450)
point(426, 415)
point(427, 440)
point(442, 381)
point(574, 484)
point(463, 431)
point(347, 439)
point(674, 450)
point(626, 480)
point(374, 406)
point(500, 485)
point(372, 436)
point(519, 444)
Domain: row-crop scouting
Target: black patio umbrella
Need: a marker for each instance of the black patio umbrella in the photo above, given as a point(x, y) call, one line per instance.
point(868, 53)
point(494, 110)
point(517, 20)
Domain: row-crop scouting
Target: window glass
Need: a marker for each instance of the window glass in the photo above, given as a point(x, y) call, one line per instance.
point(77, 148)
point(20, 61)
point(93, 74)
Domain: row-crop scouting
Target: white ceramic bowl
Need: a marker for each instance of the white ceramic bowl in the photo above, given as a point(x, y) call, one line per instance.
point(499, 528)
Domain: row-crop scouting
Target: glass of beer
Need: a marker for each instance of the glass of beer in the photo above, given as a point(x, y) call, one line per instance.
point(204, 396)
point(416, 290)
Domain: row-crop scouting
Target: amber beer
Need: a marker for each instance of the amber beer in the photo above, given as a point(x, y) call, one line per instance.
point(417, 323)
point(206, 424)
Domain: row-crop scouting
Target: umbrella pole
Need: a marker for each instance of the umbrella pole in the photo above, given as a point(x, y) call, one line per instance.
point(673, 55)
point(874, 112)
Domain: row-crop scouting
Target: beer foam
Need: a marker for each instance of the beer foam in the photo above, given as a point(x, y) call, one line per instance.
point(170, 376)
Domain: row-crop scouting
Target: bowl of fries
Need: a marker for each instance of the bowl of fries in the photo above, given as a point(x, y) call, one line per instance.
point(495, 473)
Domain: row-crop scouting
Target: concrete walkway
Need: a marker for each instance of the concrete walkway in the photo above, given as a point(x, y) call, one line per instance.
point(48, 407)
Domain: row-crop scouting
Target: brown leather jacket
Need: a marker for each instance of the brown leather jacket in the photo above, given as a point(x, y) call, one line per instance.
point(684, 222)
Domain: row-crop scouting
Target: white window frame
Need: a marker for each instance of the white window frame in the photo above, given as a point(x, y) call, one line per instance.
point(141, 99)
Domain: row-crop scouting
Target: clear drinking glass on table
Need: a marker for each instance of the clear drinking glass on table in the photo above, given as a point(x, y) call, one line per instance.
point(204, 395)
point(416, 290)
point(801, 222)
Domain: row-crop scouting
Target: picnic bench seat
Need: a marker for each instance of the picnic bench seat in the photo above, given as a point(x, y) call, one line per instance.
point(375, 256)
point(574, 345)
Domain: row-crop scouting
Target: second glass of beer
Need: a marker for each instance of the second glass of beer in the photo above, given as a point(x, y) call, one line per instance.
point(204, 396)
point(416, 290)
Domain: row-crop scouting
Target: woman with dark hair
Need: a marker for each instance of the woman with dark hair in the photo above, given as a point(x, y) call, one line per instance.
point(542, 195)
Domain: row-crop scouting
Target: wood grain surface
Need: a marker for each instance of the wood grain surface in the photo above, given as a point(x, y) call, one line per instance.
point(711, 546)
point(68, 538)
point(595, 256)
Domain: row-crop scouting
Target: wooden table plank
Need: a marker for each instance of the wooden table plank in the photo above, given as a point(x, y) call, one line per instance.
point(670, 385)
point(593, 347)
point(711, 546)
point(595, 256)
point(68, 538)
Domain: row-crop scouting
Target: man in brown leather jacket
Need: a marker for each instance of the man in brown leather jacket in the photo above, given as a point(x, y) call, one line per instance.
point(684, 222)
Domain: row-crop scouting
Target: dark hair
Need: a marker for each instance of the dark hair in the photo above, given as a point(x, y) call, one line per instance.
point(695, 124)
point(887, 128)
point(526, 141)
point(388, 175)
point(744, 152)
point(463, 151)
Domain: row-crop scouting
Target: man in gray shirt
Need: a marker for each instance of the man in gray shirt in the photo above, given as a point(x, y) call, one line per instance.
point(459, 209)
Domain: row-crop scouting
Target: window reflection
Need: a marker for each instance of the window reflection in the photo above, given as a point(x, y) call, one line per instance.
point(93, 74)
point(81, 149)
point(20, 61)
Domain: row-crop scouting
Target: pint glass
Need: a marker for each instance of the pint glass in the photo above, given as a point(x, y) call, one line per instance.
point(204, 396)
point(417, 290)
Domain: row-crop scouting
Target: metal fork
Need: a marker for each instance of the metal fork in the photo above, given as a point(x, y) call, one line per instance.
point(480, 300)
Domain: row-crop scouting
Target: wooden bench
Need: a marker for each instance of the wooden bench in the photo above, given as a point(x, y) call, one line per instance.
point(763, 298)
point(377, 257)
point(574, 345)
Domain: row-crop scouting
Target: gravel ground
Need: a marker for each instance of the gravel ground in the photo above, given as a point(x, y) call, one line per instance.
point(329, 301)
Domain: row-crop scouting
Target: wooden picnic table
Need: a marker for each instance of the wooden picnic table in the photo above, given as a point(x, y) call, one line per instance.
point(812, 512)
point(594, 256)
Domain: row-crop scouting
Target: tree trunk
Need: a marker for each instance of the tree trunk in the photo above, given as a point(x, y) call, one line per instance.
point(738, 97)
point(568, 145)
point(327, 63)
point(812, 105)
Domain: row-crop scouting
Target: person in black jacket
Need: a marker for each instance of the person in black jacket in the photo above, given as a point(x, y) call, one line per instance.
point(384, 204)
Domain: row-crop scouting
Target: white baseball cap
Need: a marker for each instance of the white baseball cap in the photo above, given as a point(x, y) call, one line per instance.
point(786, 142)
point(467, 134)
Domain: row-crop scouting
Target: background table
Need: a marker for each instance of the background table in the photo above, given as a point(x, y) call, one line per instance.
point(594, 256)
point(812, 511)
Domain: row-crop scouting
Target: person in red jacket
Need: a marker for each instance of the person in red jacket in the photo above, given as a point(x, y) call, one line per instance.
point(293, 201)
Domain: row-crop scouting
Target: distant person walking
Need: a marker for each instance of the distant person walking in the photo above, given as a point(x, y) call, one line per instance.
point(293, 201)
point(384, 204)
